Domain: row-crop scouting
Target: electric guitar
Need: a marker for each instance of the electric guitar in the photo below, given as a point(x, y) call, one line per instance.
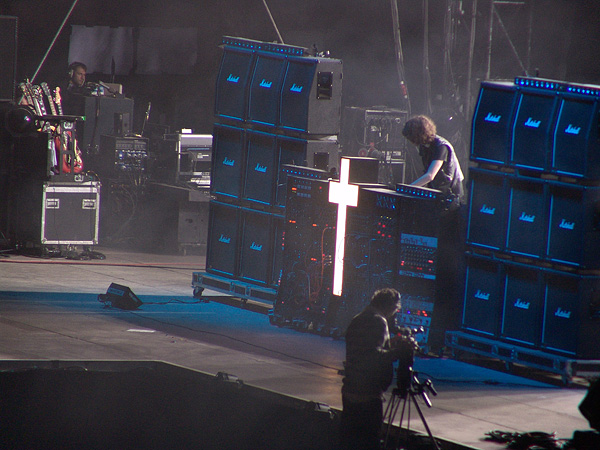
point(49, 98)
point(66, 137)
point(33, 97)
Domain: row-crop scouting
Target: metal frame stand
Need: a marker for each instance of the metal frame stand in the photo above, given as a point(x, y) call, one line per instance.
point(406, 397)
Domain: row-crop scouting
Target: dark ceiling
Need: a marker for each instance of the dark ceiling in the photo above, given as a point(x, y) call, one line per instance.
point(564, 44)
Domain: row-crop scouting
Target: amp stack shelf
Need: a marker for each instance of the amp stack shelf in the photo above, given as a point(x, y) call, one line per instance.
point(275, 105)
point(532, 292)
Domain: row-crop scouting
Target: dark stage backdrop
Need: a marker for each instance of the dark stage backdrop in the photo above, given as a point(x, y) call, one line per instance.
point(565, 43)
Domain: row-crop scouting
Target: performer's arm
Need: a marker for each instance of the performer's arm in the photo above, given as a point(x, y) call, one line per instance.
point(428, 176)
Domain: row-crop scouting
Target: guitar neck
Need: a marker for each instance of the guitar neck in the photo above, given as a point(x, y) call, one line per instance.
point(58, 100)
point(49, 98)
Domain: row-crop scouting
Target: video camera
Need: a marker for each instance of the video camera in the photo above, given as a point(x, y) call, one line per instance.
point(406, 378)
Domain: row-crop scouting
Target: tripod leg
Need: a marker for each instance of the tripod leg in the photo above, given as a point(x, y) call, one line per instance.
point(435, 444)
point(390, 414)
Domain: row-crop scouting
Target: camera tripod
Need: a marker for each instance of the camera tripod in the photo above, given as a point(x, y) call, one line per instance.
point(406, 392)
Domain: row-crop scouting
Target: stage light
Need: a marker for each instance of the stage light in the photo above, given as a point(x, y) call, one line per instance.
point(344, 194)
point(20, 121)
point(120, 297)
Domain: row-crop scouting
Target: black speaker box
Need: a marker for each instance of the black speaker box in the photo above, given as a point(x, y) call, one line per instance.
point(99, 115)
point(232, 83)
point(363, 169)
point(121, 297)
point(322, 154)
point(223, 239)
point(8, 57)
point(523, 305)
point(532, 129)
point(528, 216)
point(265, 88)
point(482, 307)
point(488, 209)
point(258, 240)
point(311, 96)
point(573, 232)
point(492, 122)
point(261, 169)
point(576, 149)
point(228, 161)
point(571, 315)
point(264, 180)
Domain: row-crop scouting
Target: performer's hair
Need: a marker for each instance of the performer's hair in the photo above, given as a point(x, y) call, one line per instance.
point(420, 130)
point(385, 297)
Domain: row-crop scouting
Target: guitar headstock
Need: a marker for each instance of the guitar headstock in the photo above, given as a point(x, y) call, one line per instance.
point(46, 89)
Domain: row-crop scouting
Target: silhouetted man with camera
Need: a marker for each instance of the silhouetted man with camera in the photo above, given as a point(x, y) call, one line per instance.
point(369, 371)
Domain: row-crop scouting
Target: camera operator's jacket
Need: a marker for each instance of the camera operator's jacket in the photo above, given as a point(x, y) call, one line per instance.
point(369, 367)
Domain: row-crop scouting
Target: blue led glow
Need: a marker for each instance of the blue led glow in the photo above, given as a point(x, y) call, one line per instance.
point(264, 46)
point(559, 86)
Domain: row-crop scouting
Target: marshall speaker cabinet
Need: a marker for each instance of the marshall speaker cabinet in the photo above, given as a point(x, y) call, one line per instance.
point(532, 128)
point(488, 209)
point(576, 146)
point(492, 122)
point(311, 96)
point(232, 82)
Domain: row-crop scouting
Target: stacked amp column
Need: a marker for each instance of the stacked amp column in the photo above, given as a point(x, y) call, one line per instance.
point(274, 106)
point(533, 273)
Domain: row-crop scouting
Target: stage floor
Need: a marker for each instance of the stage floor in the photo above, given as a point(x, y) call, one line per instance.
point(49, 310)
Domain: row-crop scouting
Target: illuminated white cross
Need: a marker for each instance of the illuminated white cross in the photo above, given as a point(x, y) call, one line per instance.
point(344, 195)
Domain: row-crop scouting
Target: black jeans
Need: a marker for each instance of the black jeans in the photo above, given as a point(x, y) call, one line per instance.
point(360, 427)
